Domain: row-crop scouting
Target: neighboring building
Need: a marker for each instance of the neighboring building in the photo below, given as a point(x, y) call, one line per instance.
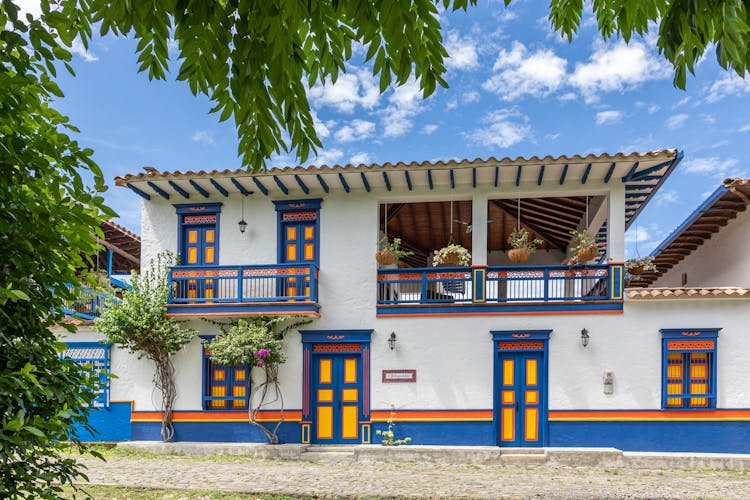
point(539, 354)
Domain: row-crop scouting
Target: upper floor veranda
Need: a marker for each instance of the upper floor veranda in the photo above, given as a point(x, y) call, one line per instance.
point(302, 240)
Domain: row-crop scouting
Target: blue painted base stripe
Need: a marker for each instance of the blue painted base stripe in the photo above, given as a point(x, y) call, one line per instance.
point(110, 424)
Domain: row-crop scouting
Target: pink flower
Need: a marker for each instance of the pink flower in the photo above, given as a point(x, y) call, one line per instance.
point(261, 362)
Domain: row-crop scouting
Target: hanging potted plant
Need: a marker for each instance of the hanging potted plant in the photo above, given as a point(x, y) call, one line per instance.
point(390, 251)
point(584, 247)
point(522, 245)
point(640, 265)
point(451, 255)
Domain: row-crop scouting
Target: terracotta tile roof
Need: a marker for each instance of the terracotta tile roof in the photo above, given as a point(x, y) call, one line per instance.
point(687, 293)
point(153, 174)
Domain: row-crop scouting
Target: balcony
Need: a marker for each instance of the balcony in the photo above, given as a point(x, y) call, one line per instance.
point(259, 290)
point(88, 303)
point(500, 290)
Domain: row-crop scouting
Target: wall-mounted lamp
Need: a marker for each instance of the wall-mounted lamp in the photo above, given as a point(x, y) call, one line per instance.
point(242, 223)
point(392, 340)
point(584, 337)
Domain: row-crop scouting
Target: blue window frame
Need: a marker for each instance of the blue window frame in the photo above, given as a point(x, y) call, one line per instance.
point(94, 357)
point(225, 388)
point(689, 368)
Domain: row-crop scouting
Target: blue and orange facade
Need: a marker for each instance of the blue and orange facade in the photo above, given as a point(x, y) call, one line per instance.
point(490, 353)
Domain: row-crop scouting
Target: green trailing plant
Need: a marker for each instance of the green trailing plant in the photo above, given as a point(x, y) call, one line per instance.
point(452, 254)
point(388, 436)
point(259, 344)
point(521, 238)
point(138, 324)
point(581, 244)
point(390, 251)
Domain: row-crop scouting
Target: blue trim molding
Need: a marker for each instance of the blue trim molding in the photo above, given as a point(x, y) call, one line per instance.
point(466, 309)
point(685, 341)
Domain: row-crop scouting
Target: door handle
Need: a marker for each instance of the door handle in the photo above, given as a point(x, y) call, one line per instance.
point(516, 406)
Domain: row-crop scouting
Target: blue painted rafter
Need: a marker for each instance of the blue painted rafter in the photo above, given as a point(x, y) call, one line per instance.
point(343, 182)
point(586, 174)
point(158, 190)
point(497, 176)
point(137, 191)
point(564, 173)
point(365, 183)
point(474, 177)
point(609, 173)
point(429, 179)
point(240, 187)
point(408, 179)
point(518, 175)
point(263, 189)
point(322, 183)
point(281, 185)
point(541, 176)
point(179, 189)
point(387, 181)
point(630, 173)
point(453, 179)
point(219, 188)
point(649, 170)
point(198, 188)
point(302, 185)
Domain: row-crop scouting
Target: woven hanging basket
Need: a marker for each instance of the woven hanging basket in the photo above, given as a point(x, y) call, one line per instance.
point(519, 255)
point(385, 257)
point(451, 259)
point(588, 253)
point(627, 282)
point(636, 271)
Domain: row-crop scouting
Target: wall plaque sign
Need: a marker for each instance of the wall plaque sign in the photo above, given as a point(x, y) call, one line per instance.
point(399, 376)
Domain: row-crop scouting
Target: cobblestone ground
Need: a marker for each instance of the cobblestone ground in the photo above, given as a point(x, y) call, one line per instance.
point(409, 480)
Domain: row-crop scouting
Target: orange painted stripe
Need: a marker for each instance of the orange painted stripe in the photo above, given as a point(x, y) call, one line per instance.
point(499, 313)
point(432, 415)
point(216, 416)
point(265, 313)
point(648, 415)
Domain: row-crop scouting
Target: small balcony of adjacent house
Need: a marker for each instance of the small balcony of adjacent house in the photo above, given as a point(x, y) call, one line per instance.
point(252, 290)
point(551, 280)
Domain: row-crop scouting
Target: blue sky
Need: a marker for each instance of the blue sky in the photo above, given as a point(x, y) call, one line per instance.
point(516, 89)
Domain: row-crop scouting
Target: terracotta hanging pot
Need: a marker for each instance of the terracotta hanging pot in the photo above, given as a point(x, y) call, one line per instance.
point(385, 257)
point(627, 282)
point(588, 253)
point(518, 255)
point(636, 271)
point(451, 259)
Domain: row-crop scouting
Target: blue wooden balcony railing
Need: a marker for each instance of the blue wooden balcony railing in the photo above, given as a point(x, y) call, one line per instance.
point(87, 304)
point(474, 288)
point(243, 284)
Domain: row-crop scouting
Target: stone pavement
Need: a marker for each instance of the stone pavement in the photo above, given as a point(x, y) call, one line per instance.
point(355, 479)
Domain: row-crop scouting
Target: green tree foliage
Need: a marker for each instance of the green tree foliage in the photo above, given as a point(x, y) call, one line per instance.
point(48, 222)
point(257, 343)
point(686, 28)
point(138, 324)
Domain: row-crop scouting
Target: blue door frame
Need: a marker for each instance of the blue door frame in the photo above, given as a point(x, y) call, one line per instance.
point(520, 388)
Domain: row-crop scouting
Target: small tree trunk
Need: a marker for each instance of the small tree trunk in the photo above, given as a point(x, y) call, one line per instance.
point(272, 378)
point(164, 382)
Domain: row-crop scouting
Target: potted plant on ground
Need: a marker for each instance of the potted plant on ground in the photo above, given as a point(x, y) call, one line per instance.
point(584, 248)
point(640, 265)
point(451, 255)
point(522, 245)
point(390, 251)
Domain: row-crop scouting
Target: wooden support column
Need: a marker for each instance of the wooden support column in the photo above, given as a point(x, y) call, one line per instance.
point(479, 230)
point(616, 223)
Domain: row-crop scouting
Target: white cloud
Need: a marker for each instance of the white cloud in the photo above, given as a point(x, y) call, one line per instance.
point(357, 130)
point(357, 88)
point(518, 73)
point(642, 239)
point(504, 128)
point(203, 136)
point(552, 137)
point(452, 104)
point(709, 119)
point(397, 117)
point(728, 85)
point(617, 67)
point(79, 50)
point(666, 197)
point(677, 121)
point(469, 97)
point(744, 128)
point(323, 129)
point(681, 102)
point(608, 117)
point(462, 52)
point(361, 157)
point(714, 167)
point(328, 157)
point(653, 108)
point(429, 128)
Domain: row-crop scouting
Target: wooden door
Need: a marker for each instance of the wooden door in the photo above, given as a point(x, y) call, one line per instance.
point(336, 398)
point(522, 395)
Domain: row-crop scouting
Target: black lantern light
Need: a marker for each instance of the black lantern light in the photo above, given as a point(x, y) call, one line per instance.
point(584, 337)
point(242, 223)
point(392, 340)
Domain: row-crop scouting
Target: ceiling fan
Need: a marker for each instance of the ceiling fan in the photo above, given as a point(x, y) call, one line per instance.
point(468, 224)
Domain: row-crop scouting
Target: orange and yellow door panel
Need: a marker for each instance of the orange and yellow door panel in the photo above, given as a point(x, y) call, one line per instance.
point(522, 393)
point(299, 246)
point(199, 249)
point(336, 398)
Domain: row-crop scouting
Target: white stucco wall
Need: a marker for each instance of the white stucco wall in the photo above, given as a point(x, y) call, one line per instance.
point(453, 356)
point(721, 261)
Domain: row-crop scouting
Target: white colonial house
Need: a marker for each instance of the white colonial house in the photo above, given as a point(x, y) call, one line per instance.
point(539, 354)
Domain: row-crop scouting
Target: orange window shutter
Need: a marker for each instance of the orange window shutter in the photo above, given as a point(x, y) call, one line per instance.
point(291, 233)
point(309, 232)
point(210, 235)
point(291, 252)
point(309, 251)
point(193, 236)
point(209, 257)
point(192, 256)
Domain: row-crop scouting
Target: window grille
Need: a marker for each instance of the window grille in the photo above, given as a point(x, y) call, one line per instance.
point(94, 358)
point(224, 387)
point(689, 369)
